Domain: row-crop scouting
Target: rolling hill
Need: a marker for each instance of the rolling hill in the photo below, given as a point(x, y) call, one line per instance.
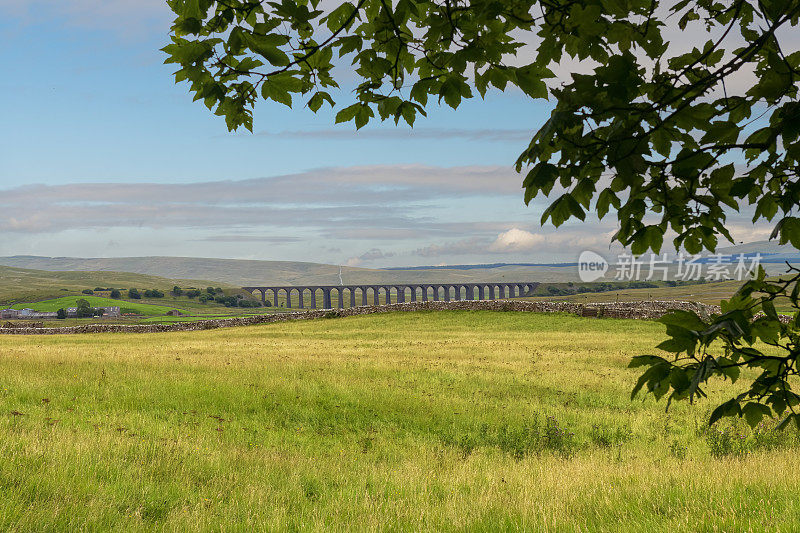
point(26, 285)
point(239, 272)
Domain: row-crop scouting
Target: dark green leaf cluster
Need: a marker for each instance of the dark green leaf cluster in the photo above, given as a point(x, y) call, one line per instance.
point(404, 53)
point(654, 134)
point(748, 333)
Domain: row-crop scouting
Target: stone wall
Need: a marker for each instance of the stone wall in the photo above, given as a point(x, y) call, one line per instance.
point(632, 310)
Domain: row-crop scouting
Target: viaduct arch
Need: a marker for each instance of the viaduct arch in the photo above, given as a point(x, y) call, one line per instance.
point(337, 296)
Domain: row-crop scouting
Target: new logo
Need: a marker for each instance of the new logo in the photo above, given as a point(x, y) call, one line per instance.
point(591, 266)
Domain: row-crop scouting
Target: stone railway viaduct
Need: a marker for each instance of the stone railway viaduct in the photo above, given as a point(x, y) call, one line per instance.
point(402, 292)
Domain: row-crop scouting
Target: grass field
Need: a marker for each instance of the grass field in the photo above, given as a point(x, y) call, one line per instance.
point(152, 309)
point(411, 421)
point(96, 301)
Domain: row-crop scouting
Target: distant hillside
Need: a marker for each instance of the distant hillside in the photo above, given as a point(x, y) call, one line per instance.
point(24, 285)
point(238, 272)
point(231, 271)
point(772, 251)
point(484, 266)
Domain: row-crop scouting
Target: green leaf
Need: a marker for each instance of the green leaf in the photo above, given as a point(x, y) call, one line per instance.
point(769, 309)
point(605, 200)
point(654, 377)
point(279, 87)
point(541, 177)
point(647, 238)
point(788, 418)
point(267, 47)
point(562, 210)
point(754, 412)
point(348, 113)
point(684, 319)
point(790, 231)
point(729, 408)
point(529, 79)
point(363, 115)
point(646, 360)
point(317, 99)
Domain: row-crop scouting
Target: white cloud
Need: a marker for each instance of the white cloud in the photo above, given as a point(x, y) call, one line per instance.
point(564, 243)
point(516, 240)
point(372, 202)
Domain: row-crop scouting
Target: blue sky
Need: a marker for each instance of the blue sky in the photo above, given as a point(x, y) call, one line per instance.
point(103, 155)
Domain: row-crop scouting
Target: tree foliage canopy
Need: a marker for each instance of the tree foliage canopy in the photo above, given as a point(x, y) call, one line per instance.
point(666, 113)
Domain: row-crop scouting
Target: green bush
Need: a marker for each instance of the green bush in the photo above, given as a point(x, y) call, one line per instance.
point(85, 310)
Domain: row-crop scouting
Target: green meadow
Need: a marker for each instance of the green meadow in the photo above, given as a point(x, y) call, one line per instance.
point(457, 420)
point(125, 306)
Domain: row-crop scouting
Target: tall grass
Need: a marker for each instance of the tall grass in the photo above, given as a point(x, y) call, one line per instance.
point(409, 421)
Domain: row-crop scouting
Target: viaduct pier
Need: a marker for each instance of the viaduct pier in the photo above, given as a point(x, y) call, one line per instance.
point(311, 296)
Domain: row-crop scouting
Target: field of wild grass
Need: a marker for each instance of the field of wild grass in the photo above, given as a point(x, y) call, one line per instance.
point(481, 421)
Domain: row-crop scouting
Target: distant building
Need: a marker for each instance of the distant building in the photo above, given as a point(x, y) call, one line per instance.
point(30, 313)
point(8, 313)
point(108, 312)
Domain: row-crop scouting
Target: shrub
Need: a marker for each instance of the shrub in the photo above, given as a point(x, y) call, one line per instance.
point(97, 289)
point(194, 293)
point(85, 310)
point(211, 290)
point(116, 294)
point(153, 293)
point(61, 314)
point(177, 291)
point(133, 294)
point(87, 291)
point(228, 301)
point(724, 441)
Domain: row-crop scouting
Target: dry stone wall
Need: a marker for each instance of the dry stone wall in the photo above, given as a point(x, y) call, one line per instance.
point(631, 310)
